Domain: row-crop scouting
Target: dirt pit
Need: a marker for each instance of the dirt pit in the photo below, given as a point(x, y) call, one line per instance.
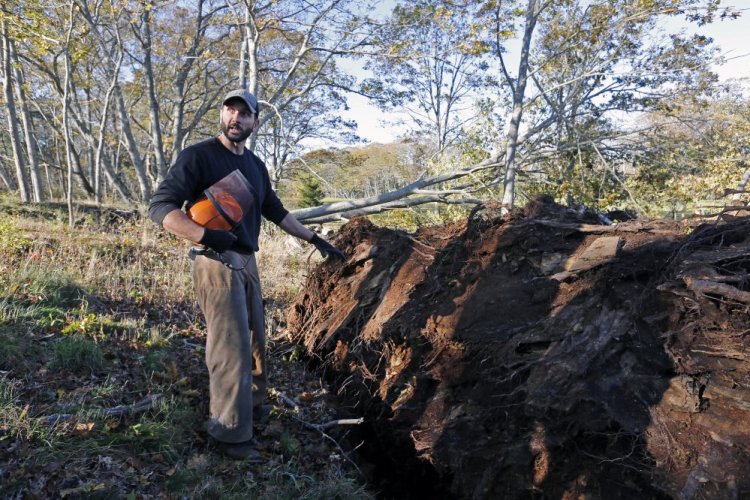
point(541, 354)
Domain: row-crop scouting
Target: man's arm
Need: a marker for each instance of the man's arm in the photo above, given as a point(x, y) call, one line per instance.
point(291, 225)
point(179, 224)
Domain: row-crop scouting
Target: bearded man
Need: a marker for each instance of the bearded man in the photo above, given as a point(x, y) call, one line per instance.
point(225, 275)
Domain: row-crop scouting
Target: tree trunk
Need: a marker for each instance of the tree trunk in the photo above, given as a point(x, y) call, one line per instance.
point(519, 92)
point(10, 104)
point(66, 124)
point(28, 128)
point(115, 179)
point(242, 76)
point(132, 146)
point(250, 77)
point(180, 80)
point(156, 135)
point(742, 185)
point(80, 175)
point(102, 127)
point(7, 180)
point(4, 175)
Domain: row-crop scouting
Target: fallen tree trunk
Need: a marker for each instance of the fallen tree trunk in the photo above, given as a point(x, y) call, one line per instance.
point(141, 406)
point(351, 208)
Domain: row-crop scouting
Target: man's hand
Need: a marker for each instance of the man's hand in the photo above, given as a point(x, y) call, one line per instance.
point(326, 249)
point(217, 240)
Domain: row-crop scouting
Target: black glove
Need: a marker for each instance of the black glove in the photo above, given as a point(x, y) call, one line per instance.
point(217, 240)
point(326, 249)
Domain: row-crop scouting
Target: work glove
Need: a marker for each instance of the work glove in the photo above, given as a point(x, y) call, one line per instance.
point(326, 249)
point(217, 240)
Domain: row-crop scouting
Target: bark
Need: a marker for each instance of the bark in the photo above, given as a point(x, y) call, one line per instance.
point(144, 185)
point(23, 185)
point(5, 176)
point(250, 64)
point(108, 168)
point(66, 124)
point(59, 84)
point(80, 175)
point(102, 125)
point(242, 75)
point(7, 180)
point(703, 287)
point(28, 128)
point(156, 134)
point(519, 91)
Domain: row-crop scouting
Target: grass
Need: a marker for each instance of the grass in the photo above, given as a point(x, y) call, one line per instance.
point(76, 354)
point(10, 351)
point(99, 316)
point(15, 420)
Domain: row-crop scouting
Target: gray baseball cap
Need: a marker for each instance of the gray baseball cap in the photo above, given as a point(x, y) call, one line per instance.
point(246, 97)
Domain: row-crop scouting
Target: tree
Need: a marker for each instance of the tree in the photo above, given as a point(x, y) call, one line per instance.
point(581, 63)
point(311, 192)
point(27, 124)
point(693, 150)
point(427, 65)
point(289, 61)
point(12, 115)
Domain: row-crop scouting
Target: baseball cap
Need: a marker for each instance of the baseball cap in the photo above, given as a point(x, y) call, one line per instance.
point(246, 97)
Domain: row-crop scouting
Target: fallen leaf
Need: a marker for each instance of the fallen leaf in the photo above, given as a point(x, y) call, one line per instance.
point(197, 462)
point(84, 428)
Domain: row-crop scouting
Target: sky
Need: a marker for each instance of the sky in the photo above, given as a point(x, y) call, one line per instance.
point(732, 36)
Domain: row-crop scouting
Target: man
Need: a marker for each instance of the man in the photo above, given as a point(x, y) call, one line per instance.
point(225, 276)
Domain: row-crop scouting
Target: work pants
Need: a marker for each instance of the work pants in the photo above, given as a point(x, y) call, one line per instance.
point(232, 304)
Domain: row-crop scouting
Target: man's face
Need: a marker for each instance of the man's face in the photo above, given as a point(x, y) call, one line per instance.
point(237, 121)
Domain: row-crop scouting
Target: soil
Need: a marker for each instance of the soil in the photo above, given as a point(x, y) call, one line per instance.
point(540, 354)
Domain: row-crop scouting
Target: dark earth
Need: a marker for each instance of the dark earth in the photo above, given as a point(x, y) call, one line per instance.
point(540, 354)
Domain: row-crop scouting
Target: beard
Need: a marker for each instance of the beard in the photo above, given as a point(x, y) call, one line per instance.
point(235, 133)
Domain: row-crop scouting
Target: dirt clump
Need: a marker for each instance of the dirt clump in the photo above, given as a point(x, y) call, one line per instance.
point(541, 354)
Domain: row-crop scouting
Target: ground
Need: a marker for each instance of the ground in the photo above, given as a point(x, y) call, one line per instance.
point(540, 354)
point(103, 386)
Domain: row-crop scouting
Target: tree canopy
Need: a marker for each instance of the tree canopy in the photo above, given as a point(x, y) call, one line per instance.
point(600, 101)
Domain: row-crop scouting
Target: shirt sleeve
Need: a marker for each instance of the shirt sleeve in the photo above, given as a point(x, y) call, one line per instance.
point(177, 187)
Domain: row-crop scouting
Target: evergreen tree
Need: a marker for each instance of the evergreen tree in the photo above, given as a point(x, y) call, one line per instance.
point(311, 193)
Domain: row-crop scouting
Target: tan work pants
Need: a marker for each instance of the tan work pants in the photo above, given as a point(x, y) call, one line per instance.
point(232, 303)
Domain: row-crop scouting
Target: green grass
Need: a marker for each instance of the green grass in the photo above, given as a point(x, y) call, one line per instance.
point(10, 352)
point(77, 354)
point(14, 416)
point(11, 239)
point(99, 315)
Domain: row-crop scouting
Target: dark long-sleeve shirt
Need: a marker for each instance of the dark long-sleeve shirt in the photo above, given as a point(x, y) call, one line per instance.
point(200, 166)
